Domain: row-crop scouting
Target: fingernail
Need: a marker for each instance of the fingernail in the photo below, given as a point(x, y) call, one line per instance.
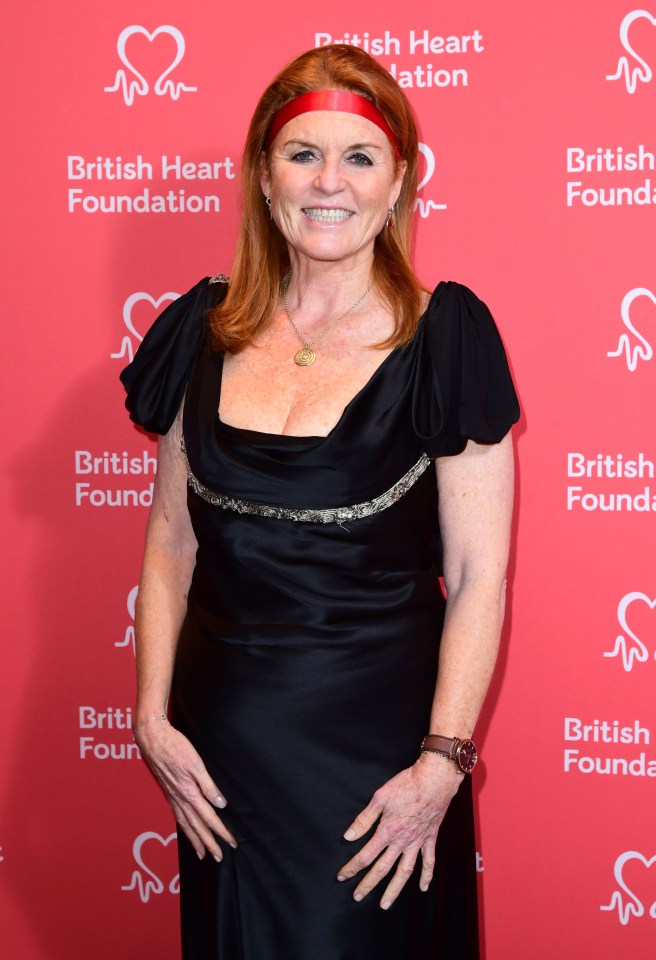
point(358, 896)
point(199, 855)
point(219, 802)
point(423, 887)
point(350, 834)
point(341, 877)
point(386, 904)
point(234, 846)
point(218, 859)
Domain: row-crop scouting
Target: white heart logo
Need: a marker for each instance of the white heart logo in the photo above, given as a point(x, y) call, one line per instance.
point(641, 69)
point(136, 852)
point(136, 298)
point(620, 863)
point(633, 905)
point(639, 348)
point(147, 881)
point(138, 85)
point(424, 207)
point(633, 649)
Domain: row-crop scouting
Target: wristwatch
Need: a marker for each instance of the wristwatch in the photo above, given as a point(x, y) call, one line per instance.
point(463, 752)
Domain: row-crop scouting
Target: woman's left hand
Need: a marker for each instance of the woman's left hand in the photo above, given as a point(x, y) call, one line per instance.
point(411, 807)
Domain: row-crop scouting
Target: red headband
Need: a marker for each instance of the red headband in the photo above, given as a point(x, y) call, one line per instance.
point(342, 100)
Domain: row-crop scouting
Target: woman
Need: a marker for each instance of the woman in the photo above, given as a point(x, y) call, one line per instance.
point(290, 592)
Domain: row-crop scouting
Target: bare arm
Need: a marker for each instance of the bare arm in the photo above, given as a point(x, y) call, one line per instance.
point(476, 490)
point(476, 494)
point(168, 565)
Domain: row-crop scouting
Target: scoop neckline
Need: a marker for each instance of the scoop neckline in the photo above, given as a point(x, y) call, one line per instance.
point(300, 437)
point(229, 427)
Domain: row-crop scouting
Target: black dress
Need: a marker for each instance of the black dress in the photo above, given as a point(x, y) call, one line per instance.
point(307, 661)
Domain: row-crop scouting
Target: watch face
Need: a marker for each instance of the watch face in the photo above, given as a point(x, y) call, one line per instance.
point(467, 756)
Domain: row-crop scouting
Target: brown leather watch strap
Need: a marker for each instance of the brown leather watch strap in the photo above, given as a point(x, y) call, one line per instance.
point(444, 745)
point(462, 752)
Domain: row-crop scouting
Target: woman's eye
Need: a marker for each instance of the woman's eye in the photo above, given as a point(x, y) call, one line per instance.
point(360, 160)
point(303, 156)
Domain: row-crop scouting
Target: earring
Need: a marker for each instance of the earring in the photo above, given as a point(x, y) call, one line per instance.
point(267, 200)
point(390, 217)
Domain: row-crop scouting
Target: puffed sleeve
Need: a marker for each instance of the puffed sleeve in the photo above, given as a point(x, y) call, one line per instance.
point(157, 377)
point(463, 388)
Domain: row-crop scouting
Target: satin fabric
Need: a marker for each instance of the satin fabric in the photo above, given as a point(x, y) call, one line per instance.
point(307, 661)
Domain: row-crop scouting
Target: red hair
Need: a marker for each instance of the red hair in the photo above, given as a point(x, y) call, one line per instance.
point(261, 258)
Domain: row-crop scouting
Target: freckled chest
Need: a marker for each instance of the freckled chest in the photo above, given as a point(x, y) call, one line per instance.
point(263, 389)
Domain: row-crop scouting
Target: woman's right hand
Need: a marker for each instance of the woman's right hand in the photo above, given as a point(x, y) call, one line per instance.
point(187, 785)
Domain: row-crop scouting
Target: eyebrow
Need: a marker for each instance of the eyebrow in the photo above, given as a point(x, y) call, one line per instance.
point(353, 146)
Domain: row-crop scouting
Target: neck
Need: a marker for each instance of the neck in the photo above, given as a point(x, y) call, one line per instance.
point(323, 288)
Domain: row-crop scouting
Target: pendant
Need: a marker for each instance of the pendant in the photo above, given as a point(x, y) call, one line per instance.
point(305, 357)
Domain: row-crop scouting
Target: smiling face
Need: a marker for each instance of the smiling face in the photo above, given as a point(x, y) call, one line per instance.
point(332, 178)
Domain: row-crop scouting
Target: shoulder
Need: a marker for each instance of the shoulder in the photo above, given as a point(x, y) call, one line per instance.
point(449, 294)
point(469, 385)
point(156, 379)
point(457, 318)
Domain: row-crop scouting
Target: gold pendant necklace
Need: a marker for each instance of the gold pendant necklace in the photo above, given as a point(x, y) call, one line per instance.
point(306, 355)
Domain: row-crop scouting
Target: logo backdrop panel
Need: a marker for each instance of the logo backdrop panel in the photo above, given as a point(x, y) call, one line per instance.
point(538, 190)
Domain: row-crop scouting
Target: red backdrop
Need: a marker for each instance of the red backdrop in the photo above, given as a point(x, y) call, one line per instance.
point(538, 192)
